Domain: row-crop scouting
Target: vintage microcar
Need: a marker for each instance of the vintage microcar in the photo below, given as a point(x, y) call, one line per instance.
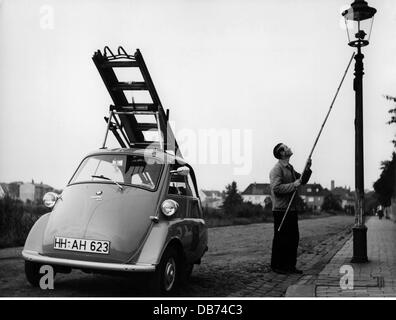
point(124, 210)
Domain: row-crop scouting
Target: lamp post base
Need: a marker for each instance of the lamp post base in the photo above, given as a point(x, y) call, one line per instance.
point(359, 244)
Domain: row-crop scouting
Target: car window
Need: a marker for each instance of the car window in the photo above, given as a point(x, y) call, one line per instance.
point(178, 185)
point(108, 169)
point(123, 169)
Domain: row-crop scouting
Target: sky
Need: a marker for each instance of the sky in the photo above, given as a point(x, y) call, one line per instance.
point(249, 74)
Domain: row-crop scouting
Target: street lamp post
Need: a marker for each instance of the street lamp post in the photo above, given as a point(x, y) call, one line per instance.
point(359, 18)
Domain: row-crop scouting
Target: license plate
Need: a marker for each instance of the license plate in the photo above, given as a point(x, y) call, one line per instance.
point(82, 245)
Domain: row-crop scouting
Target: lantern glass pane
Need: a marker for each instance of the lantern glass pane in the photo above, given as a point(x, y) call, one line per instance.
point(359, 29)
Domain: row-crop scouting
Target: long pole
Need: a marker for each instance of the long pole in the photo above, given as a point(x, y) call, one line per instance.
point(317, 137)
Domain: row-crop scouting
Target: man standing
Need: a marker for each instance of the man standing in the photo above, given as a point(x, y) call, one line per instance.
point(284, 181)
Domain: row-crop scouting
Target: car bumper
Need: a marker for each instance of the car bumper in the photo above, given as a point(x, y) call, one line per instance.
point(79, 264)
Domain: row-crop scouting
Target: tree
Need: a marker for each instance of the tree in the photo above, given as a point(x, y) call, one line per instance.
point(268, 203)
point(392, 112)
point(371, 202)
point(331, 202)
point(300, 204)
point(385, 185)
point(232, 198)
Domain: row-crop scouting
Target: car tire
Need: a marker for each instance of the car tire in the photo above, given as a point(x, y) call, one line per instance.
point(166, 278)
point(32, 272)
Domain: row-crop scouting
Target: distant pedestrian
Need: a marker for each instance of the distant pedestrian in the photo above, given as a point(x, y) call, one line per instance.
point(380, 212)
point(283, 182)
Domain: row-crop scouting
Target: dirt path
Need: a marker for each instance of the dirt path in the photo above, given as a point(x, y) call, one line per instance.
point(237, 256)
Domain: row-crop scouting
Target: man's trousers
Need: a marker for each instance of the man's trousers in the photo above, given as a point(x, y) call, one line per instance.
point(285, 242)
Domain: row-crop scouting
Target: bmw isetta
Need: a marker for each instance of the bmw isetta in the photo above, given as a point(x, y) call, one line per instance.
point(130, 209)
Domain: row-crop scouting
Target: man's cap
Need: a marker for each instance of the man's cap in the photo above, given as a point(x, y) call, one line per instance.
point(277, 150)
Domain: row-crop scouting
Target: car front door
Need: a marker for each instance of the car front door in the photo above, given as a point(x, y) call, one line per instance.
point(195, 216)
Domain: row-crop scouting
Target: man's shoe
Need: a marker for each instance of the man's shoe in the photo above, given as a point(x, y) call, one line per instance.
point(280, 271)
point(296, 271)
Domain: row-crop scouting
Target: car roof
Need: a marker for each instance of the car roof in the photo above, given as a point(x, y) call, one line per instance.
point(151, 152)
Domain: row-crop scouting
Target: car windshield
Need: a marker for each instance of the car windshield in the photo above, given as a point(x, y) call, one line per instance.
point(118, 169)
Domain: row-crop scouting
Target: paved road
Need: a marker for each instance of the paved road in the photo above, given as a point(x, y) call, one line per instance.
point(237, 264)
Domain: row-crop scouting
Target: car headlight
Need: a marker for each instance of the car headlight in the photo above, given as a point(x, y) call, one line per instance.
point(50, 199)
point(169, 207)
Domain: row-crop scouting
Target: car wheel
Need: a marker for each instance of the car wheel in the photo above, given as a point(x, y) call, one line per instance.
point(32, 272)
point(167, 276)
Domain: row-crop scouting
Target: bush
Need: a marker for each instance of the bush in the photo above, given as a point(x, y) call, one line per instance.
point(240, 221)
point(248, 210)
point(36, 209)
point(334, 212)
point(232, 198)
point(243, 213)
point(16, 220)
point(210, 213)
point(331, 202)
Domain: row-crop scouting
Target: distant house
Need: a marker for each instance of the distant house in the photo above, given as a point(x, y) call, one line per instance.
point(346, 196)
point(257, 193)
point(12, 189)
point(33, 192)
point(313, 195)
point(211, 198)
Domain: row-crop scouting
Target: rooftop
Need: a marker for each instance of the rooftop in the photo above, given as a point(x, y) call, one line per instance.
point(210, 193)
point(313, 189)
point(257, 189)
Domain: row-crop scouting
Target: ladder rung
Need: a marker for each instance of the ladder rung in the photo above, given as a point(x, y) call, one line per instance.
point(130, 86)
point(120, 64)
point(147, 126)
point(145, 144)
point(137, 107)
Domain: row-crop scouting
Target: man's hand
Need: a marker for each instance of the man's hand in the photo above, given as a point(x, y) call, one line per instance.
point(309, 163)
point(297, 183)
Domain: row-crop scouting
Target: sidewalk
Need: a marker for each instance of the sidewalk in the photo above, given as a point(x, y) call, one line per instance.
point(377, 278)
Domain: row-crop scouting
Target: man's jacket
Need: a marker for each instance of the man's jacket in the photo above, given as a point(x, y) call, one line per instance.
point(282, 177)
